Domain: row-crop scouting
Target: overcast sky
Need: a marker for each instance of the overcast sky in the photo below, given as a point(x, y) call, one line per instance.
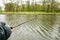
point(7, 1)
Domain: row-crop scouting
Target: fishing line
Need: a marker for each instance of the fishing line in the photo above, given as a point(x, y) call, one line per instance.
point(23, 23)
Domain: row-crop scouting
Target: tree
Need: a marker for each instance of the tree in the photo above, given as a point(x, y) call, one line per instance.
point(10, 7)
point(17, 5)
point(48, 5)
point(34, 5)
point(44, 6)
point(0, 9)
point(22, 6)
point(54, 6)
point(28, 6)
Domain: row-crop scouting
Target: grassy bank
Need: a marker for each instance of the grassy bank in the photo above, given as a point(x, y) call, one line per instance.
point(28, 13)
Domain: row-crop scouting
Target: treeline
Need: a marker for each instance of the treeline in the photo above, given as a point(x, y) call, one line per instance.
point(24, 7)
point(47, 6)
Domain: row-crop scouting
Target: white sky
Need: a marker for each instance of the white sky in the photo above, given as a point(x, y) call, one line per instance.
point(7, 1)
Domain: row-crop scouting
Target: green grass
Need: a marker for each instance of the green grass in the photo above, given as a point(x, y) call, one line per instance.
point(29, 13)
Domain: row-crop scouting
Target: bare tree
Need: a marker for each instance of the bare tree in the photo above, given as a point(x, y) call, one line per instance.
point(28, 5)
point(48, 5)
point(17, 5)
point(54, 5)
point(0, 9)
point(34, 5)
point(23, 6)
point(44, 7)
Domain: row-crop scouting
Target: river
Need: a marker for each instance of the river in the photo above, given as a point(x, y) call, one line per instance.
point(33, 27)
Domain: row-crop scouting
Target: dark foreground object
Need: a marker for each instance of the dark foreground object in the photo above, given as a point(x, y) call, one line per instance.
point(5, 31)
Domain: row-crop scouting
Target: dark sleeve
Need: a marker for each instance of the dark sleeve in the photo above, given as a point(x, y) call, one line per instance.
point(7, 32)
point(2, 33)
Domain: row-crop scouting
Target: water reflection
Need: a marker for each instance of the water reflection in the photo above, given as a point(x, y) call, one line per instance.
point(43, 27)
point(2, 18)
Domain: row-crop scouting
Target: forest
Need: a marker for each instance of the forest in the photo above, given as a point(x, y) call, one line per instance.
point(44, 6)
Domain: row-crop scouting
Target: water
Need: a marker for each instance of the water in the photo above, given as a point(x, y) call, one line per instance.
point(38, 27)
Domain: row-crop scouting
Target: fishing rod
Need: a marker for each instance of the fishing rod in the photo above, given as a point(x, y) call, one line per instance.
point(23, 23)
